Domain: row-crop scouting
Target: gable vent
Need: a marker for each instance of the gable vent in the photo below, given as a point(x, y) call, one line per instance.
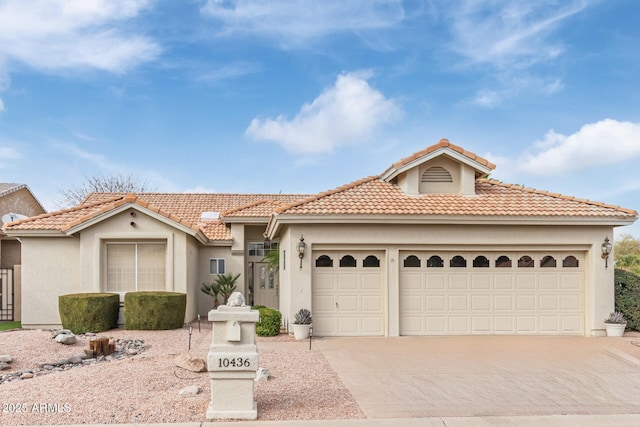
point(436, 174)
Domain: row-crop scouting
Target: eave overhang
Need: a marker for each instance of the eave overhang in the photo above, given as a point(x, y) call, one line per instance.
point(279, 220)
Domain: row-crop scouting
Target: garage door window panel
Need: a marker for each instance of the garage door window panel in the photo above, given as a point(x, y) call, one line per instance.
point(548, 262)
point(347, 261)
point(570, 261)
point(324, 261)
point(371, 261)
point(411, 261)
point(435, 262)
point(525, 262)
point(481, 261)
point(503, 261)
point(458, 261)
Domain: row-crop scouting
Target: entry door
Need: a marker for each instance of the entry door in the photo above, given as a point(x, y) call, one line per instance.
point(265, 285)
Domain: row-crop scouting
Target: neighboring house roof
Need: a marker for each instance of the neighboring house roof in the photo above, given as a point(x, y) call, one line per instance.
point(7, 188)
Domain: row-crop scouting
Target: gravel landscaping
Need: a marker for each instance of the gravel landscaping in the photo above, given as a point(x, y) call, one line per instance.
point(143, 387)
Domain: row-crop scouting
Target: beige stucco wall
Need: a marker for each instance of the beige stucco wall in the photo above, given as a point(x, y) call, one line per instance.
point(296, 282)
point(17, 293)
point(51, 267)
point(234, 265)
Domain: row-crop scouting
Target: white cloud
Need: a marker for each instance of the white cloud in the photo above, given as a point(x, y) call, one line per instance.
point(1, 106)
point(7, 153)
point(292, 24)
point(596, 144)
point(509, 34)
point(229, 71)
point(345, 113)
point(67, 35)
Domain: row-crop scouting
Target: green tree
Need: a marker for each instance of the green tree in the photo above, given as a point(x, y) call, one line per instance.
point(272, 258)
point(626, 245)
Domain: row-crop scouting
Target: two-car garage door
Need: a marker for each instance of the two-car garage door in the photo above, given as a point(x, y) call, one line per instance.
point(449, 293)
point(491, 293)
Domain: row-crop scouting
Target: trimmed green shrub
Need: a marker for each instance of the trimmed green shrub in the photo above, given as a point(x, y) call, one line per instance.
point(154, 310)
point(89, 312)
point(269, 324)
point(627, 288)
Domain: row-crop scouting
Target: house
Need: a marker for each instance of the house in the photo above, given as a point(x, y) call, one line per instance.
point(430, 246)
point(16, 202)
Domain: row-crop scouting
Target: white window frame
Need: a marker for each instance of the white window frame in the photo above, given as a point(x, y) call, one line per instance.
point(220, 264)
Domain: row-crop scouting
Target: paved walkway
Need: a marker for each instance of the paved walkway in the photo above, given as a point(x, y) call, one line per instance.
point(415, 377)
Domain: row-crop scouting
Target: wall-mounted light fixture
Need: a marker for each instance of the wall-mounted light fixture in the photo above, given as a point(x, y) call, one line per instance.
point(301, 247)
point(606, 251)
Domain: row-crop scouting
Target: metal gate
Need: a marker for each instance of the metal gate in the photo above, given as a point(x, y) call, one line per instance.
point(6, 294)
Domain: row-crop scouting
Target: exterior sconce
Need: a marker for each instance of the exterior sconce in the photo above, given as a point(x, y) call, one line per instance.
point(606, 251)
point(301, 247)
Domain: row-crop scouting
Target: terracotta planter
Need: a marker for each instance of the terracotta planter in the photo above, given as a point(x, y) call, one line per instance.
point(301, 332)
point(615, 329)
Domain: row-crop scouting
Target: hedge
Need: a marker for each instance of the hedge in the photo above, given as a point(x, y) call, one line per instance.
point(627, 291)
point(89, 312)
point(269, 324)
point(154, 310)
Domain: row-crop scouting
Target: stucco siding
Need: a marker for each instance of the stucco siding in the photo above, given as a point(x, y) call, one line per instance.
point(51, 267)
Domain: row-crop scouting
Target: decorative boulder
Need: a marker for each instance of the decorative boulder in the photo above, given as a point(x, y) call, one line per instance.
point(193, 364)
point(67, 339)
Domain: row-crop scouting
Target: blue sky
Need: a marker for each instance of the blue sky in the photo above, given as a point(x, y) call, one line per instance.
point(302, 96)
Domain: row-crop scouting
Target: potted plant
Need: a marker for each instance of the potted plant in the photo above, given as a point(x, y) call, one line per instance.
point(224, 285)
point(615, 324)
point(302, 324)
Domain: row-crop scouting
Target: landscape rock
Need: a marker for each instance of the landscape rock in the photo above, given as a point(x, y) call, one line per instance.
point(61, 332)
point(66, 339)
point(4, 365)
point(26, 375)
point(262, 374)
point(193, 364)
point(190, 390)
point(6, 358)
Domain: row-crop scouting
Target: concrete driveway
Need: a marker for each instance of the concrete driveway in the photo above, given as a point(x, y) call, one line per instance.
point(410, 377)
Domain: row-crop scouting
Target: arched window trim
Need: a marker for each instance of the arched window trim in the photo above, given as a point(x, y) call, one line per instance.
point(371, 261)
point(548, 261)
point(481, 261)
point(321, 261)
point(459, 261)
point(435, 261)
point(503, 261)
point(412, 261)
point(348, 261)
point(525, 261)
point(569, 260)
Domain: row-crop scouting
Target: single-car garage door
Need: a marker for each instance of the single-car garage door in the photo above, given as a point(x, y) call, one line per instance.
point(348, 293)
point(462, 293)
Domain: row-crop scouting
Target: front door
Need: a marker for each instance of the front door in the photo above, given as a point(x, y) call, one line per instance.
point(265, 285)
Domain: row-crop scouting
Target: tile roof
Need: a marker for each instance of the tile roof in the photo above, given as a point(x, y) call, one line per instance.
point(183, 208)
point(9, 187)
point(372, 196)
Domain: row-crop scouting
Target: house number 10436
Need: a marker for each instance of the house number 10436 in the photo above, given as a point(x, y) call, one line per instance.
point(235, 362)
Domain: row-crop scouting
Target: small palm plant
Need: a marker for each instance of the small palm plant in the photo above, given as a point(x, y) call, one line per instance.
point(223, 286)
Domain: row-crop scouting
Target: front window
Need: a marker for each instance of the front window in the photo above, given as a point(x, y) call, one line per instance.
point(135, 267)
point(216, 266)
point(261, 248)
